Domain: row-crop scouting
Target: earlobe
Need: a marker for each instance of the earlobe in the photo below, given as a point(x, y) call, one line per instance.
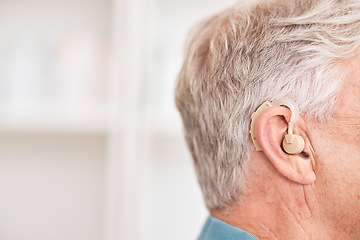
point(271, 129)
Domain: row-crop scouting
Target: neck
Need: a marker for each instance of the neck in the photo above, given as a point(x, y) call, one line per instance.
point(273, 215)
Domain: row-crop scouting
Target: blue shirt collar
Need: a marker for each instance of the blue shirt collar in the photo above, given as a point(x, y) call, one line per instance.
point(215, 229)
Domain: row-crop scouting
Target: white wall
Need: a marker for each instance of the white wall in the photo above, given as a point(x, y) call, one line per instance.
point(91, 144)
point(52, 186)
point(53, 118)
point(174, 206)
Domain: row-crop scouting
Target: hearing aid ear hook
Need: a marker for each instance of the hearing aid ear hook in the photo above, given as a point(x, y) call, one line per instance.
point(292, 143)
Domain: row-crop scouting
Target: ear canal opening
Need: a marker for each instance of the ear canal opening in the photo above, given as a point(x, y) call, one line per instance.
point(304, 154)
point(293, 144)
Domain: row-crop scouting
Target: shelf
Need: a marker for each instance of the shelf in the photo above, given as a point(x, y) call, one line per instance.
point(90, 123)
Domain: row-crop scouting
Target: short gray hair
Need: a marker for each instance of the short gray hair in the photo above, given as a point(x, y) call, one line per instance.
point(245, 55)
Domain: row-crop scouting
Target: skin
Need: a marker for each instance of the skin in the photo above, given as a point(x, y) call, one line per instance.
point(306, 196)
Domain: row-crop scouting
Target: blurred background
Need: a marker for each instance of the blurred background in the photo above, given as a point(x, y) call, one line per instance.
point(91, 144)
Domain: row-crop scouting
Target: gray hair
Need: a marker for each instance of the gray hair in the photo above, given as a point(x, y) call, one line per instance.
point(245, 55)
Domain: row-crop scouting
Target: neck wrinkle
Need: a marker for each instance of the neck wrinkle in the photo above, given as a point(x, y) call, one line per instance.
point(295, 215)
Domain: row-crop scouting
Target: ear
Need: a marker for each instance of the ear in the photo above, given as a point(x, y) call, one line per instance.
point(271, 128)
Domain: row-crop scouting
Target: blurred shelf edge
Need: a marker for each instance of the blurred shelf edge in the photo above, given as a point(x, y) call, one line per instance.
point(95, 122)
point(65, 123)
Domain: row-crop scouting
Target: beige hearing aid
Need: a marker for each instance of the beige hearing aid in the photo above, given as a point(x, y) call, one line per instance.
point(292, 143)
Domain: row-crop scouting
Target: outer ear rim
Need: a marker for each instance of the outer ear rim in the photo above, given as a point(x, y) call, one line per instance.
point(293, 167)
point(254, 118)
point(262, 121)
point(289, 146)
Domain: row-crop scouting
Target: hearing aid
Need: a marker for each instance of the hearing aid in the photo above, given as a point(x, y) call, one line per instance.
point(292, 143)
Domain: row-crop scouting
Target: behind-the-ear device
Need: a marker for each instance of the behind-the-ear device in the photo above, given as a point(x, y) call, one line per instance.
point(292, 143)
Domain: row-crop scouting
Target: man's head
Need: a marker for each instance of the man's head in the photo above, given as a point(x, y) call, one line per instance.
point(300, 49)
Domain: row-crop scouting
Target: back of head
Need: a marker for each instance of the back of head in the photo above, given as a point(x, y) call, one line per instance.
point(250, 53)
